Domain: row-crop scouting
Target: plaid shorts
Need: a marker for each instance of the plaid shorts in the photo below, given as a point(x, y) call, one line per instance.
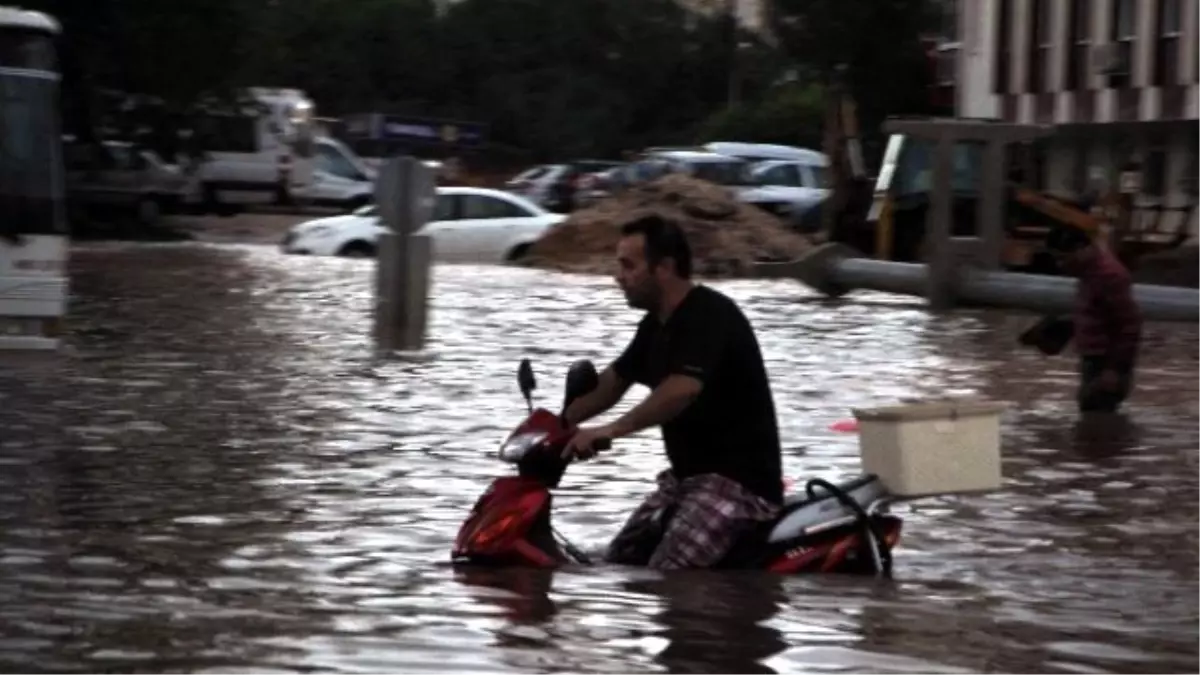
point(710, 513)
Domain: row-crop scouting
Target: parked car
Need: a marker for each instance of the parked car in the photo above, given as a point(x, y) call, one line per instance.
point(469, 224)
point(555, 186)
point(758, 152)
point(788, 188)
point(654, 163)
point(812, 174)
point(533, 183)
point(596, 186)
point(117, 179)
point(710, 166)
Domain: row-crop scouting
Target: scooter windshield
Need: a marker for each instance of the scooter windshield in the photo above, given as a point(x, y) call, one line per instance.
point(519, 445)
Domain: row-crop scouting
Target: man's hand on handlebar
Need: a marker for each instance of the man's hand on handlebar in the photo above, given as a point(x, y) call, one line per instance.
point(587, 442)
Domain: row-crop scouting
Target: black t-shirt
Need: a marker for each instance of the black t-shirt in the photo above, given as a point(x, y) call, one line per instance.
point(730, 429)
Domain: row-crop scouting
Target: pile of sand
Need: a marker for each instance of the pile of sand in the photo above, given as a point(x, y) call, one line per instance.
point(1173, 267)
point(726, 235)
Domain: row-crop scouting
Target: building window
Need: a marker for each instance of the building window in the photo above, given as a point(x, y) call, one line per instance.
point(947, 48)
point(1154, 173)
point(1191, 172)
point(1078, 182)
point(1000, 77)
point(947, 64)
point(948, 15)
point(1079, 44)
point(1123, 34)
point(1039, 165)
point(1166, 49)
point(1039, 46)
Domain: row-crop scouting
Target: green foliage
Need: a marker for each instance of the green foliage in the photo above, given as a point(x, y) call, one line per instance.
point(556, 77)
point(877, 41)
point(792, 114)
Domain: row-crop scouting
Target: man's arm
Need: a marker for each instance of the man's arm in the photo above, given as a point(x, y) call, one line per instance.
point(606, 394)
point(672, 396)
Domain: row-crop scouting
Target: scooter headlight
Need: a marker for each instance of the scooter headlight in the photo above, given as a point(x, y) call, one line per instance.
point(518, 445)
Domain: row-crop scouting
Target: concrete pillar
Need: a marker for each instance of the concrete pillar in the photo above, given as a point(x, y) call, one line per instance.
point(938, 243)
point(993, 204)
point(1189, 54)
point(405, 193)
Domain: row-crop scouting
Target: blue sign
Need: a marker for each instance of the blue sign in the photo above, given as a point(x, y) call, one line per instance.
point(419, 130)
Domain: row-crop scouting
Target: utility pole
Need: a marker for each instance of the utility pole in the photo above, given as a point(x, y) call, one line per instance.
point(405, 195)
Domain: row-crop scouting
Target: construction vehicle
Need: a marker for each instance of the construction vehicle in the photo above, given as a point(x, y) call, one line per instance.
point(885, 216)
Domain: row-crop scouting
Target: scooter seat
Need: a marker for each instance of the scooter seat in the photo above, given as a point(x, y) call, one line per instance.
point(802, 512)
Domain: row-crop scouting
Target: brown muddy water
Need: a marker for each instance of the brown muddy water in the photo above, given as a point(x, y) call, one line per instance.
point(221, 477)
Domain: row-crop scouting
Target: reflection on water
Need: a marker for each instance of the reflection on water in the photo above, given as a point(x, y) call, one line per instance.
point(222, 477)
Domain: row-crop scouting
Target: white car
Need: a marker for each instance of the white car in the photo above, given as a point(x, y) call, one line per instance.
point(470, 225)
point(789, 189)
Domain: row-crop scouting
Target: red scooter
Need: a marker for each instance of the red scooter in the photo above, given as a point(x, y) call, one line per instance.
point(829, 528)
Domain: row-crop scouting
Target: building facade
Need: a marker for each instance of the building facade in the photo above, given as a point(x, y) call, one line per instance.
point(1117, 78)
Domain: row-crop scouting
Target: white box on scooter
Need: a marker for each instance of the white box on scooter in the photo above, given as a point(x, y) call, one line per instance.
point(932, 448)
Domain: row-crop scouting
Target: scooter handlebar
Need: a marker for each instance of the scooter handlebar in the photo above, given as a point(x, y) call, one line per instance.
point(598, 445)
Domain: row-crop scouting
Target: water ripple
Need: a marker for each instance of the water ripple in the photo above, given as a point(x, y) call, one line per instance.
point(222, 477)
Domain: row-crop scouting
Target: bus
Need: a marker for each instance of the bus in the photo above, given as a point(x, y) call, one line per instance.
point(34, 236)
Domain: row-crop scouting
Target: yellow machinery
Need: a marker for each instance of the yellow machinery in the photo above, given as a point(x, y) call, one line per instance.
point(888, 222)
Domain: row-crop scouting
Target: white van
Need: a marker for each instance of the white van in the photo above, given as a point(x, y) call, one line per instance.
point(259, 154)
point(341, 179)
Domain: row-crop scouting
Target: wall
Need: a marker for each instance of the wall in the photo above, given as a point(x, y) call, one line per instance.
point(976, 59)
point(1100, 128)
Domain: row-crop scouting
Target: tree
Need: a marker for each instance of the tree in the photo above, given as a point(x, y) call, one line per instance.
point(348, 59)
point(174, 51)
point(878, 41)
point(557, 77)
point(586, 76)
point(790, 114)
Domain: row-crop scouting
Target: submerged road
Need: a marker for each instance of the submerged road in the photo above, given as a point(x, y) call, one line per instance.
point(220, 478)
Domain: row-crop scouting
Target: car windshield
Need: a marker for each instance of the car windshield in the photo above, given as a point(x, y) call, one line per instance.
point(915, 171)
point(595, 167)
point(723, 173)
point(332, 161)
point(774, 174)
point(820, 176)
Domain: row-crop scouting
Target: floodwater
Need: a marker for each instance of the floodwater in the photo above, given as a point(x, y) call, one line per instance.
point(222, 477)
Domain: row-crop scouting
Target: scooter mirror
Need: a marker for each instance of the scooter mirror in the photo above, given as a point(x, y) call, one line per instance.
point(525, 379)
point(581, 379)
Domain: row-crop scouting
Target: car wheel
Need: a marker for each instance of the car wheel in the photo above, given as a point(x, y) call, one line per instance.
point(211, 202)
point(518, 252)
point(357, 203)
point(357, 249)
point(148, 210)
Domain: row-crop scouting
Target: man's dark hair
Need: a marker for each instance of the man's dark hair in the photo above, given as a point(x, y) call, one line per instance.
point(664, 239)
point(1066, 239)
